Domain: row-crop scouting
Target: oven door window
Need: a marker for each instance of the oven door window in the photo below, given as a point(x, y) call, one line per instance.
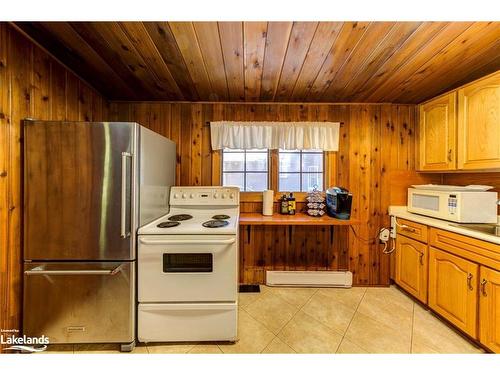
point(187, 262)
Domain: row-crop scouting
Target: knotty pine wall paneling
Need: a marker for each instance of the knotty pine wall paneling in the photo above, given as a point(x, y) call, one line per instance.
point(32, 85)
point(375, 161)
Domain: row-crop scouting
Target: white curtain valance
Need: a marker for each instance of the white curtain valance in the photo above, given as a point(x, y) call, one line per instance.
point(275, 135)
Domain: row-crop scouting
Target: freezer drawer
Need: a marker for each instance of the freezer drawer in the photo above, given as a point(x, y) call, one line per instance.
point(80, 302)
point(163, 322)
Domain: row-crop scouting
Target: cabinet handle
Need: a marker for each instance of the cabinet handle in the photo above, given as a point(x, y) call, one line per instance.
point(469, 281)
point(409, 229)
point(450, 152)
point(421, 258)
point(483, 287)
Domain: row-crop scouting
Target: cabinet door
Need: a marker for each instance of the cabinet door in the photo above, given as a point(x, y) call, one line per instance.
point(412, 266)
point(489, 309)
point(479, 124)
point(453, 289)
point(438, 134)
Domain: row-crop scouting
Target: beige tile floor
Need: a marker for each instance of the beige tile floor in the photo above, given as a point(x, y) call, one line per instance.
point(325, 320)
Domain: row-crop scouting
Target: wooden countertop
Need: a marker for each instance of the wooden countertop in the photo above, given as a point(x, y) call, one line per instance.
point(297, 219)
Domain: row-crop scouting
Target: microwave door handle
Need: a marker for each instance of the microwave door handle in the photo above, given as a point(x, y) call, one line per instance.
point(188, 242)
point(39, 271)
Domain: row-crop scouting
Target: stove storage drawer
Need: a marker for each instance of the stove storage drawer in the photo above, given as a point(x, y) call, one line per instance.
point(159, 322)
point(181, 268)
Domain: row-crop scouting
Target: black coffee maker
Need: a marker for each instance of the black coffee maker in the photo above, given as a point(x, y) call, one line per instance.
point(338, 203)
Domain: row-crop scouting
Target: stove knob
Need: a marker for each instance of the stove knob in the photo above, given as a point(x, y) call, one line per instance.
point(184, 195)
point(176, 195)
point(216, 195)
point(223, 196)
point(231, 195)
point(191, 196)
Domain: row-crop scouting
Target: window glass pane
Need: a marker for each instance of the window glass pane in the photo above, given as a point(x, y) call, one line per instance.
point(312, 162)
point(233, 179)
point(289, 162)
point(257, 161)
point(233, 161)
point(311, 181)
point(289, 182)
point(256, 181)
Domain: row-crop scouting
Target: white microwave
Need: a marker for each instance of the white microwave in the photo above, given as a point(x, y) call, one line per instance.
point(457, 206)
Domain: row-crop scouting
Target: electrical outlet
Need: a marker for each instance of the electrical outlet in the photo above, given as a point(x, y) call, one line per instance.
point(384, 235)
point(393, 227)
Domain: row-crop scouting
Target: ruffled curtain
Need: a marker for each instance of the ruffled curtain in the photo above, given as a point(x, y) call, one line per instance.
point(275, 135)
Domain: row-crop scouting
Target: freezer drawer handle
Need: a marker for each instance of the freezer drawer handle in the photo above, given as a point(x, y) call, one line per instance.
point(123, 224)
point(39, 271)
point(188, 242)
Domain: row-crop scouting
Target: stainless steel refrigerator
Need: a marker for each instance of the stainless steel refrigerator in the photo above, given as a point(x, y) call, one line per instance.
point(87, 188)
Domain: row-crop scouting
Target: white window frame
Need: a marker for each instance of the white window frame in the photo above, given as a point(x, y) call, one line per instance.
point(300, 172)
point(244, 171)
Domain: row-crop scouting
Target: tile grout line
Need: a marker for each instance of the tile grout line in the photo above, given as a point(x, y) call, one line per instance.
point(352, 318)
point(250, 315)
point(288, 321)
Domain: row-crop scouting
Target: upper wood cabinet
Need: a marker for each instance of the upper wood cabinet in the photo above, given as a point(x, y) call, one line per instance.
point(460, 130)
point(453, 289)
point(438, 133)
point(489, 308)
point(479, 124)
point(411, 267)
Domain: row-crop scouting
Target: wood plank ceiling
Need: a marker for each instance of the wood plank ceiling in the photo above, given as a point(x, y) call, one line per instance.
point(400, 62)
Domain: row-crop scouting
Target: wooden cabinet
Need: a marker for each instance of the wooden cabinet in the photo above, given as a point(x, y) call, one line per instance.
point(489, 308)
point(457, 276)
point(412, 267)
point(438, 134)
point(453, 291)
point(460, 130)
point(479, 124)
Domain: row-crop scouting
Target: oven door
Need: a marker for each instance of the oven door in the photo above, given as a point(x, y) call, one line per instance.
point(187, 268)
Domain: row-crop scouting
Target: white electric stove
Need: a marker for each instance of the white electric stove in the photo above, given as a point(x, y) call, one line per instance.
point(188, 268)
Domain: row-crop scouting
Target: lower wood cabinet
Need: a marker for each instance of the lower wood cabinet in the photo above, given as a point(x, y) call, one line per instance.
point(489, 308)
point(456, 276)
point(412, 266)
point(453, 284)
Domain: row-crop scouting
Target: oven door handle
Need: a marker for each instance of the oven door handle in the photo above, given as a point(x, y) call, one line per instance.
point(187, 242)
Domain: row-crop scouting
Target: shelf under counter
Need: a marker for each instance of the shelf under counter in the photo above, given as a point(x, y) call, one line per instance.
point(300, 218)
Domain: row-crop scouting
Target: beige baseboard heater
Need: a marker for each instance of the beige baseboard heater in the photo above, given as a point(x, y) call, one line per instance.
point(339, 279)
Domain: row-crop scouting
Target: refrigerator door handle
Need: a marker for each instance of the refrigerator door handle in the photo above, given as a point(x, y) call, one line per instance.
point(123, 230)
point(40, 271)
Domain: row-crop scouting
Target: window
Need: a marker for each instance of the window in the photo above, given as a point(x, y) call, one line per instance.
point(247, 169)
point(300, 170)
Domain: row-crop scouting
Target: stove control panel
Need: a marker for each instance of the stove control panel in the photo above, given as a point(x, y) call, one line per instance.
point(204, 195)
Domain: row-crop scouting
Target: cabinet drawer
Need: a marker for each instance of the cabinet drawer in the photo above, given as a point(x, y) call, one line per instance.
point(479, 251)
point(411, 229)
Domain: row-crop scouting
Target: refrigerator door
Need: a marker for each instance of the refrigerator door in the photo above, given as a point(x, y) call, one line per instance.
point(80, 302)
point(78, 192)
